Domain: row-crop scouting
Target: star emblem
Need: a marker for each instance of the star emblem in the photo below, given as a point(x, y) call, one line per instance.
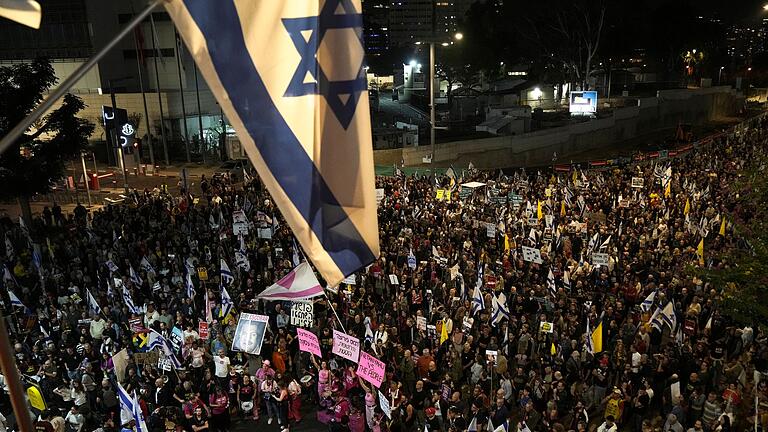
point(335, 15)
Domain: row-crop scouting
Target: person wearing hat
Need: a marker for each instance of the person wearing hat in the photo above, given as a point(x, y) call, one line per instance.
point(614, 404)
point(431, 423)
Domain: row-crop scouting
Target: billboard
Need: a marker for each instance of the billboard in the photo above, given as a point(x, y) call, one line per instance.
point(583, 102)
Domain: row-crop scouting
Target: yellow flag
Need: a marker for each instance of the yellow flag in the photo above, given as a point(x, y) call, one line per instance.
point(562, 208)
point(539, 213)
point(687, 207)
point(443, 333)
point(722, 228)
point(574, 177)
point(700, 252)
point(668, 190)
point(552, 349)
point(597, 339)
point(506, 243)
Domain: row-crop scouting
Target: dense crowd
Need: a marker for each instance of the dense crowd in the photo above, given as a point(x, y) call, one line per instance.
point(476, 333)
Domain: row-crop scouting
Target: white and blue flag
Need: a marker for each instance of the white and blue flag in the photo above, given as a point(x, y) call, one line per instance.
point(93, 305)
point(226, 303)
point(146, 266)
point(156, 340)
point(190, 286)
point(648, 302)
point(226, 275)
point(15, 300)
point(551, 283)
point(127, 297)
point(135, 278)
point(301, 113)
point(478, 303)
point(500, 309)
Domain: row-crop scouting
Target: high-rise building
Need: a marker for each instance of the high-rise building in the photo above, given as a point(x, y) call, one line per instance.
point(411, 21)
point(418, 20)
point(376, 26)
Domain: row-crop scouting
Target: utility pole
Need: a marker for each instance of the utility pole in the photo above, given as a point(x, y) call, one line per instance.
point(159, 95)
point(116, 137)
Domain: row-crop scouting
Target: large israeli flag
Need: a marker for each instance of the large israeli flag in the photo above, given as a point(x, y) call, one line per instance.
point(290, 77)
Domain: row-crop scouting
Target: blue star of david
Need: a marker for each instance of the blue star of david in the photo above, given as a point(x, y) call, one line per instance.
point(332, 90)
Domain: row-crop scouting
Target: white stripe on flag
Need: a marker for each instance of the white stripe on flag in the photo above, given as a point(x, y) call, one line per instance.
point(259, 96)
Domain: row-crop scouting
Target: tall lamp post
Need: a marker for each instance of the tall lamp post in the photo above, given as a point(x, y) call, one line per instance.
point(458, 37)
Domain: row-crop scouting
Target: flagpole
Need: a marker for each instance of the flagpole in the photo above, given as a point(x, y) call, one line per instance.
point(11, 374)
point(330, 304)
point(41, 109)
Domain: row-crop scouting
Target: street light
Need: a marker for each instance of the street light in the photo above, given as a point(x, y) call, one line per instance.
point(458, 37)
point(720, 74)
point(765, 7)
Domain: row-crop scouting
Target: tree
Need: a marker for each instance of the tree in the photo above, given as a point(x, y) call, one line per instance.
point(567, 33)
point(741, 269)
point(38, 157)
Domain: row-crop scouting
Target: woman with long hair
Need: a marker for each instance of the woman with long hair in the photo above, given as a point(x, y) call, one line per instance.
point(281, 400)
point(219, 403)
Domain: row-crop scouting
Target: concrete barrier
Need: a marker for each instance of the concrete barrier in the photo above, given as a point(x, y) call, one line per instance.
point(666, 110)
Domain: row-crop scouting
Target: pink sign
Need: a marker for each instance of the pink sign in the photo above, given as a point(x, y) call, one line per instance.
point(371, 369)
point(308, 342)
point(346, 346)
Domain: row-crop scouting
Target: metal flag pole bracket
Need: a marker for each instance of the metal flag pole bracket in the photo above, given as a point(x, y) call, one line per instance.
point(41, 109)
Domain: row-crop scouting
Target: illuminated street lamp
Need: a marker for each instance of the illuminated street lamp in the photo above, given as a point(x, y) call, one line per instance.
point(458, 37)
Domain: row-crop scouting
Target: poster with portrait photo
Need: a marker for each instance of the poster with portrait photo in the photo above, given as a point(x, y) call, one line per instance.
point(249, 334)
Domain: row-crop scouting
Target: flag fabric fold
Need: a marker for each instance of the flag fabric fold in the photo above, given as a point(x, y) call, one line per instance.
point(300, 114)
point(300, 283)
point(156, 340)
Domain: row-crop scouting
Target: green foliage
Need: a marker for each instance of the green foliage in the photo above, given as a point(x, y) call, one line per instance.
point(39, 156)
point(743, 275)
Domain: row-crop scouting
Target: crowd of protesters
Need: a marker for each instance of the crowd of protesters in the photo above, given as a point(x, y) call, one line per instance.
point(520, 355)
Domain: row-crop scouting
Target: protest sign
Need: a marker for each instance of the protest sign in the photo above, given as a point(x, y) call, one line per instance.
point(371, 369)
point(164, 364)
point(490, 230)
point(349, 280)
point(412, 261)
point(546, 327)
point(596, 216)
point(599, 259)
point(239, 223)
point(176, 339)
point(421, 323)
point(346, 346)
point(308, 342)
point(249, 334)
point(439, 194)
point(302, 314)
point(111, 266)
point(156, 286)
point(202, 330)
point(379, 195)
point(264, 233)
point(393, 280)
point(532, 255)
point(384, 405)
point(491, 356)
point(638, 182)
point(466, 326)
point(202, 273)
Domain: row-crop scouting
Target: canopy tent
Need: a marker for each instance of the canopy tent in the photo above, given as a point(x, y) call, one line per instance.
point(472, 185)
